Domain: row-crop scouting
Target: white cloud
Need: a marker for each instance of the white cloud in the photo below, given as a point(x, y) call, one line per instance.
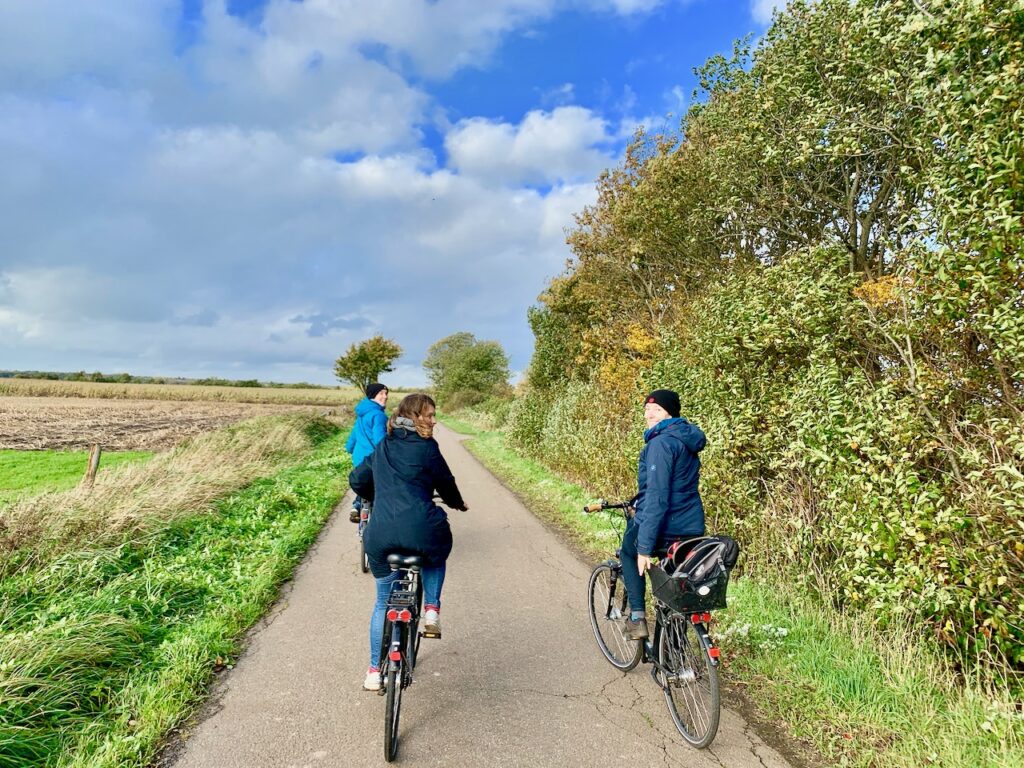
point(762, 10)
point(546, 147)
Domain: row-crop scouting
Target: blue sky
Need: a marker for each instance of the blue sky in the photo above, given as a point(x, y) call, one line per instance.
point(243, 188)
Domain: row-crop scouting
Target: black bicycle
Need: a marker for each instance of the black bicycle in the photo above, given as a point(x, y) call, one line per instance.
point(364, 519)
point(682, 655)
point(400, 642)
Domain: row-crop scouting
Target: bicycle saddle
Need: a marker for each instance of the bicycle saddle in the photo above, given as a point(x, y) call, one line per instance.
point(404, 561)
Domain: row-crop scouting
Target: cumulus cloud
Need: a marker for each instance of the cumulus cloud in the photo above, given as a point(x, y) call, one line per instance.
point(545, 148)
point(252, 201)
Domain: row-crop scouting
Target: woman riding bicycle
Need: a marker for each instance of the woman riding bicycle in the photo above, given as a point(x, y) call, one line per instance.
point(400, 478)
point(668, 504)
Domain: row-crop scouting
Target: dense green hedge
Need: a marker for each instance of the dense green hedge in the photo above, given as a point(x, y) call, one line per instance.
point(826, 261)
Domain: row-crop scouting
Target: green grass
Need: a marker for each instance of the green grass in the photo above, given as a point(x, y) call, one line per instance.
point(26, 473)
point(853, 695)
point(103, 651)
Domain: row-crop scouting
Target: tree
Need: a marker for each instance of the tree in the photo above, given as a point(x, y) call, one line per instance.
point(461, 365)
point(366, 361)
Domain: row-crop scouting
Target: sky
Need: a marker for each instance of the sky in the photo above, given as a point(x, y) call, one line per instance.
point(244, 188)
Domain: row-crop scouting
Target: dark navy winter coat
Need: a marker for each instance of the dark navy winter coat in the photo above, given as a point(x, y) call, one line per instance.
point(668, 504)
point(400, 478)
point(369, 429)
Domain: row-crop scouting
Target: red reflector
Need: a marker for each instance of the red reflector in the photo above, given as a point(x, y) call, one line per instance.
point(404, 616)
point(395, 655)
point(392, 615)
point(705, 617)
point(695, 618)
point(714, 653)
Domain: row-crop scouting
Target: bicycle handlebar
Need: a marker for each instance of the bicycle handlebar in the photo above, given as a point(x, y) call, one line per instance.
point(602, 504)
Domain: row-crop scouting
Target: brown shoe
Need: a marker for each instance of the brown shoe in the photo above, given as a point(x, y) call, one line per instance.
point(637, 630)
point(353, 515)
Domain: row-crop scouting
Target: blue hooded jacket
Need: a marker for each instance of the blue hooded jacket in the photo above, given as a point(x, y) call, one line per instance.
point(668, 504)
point(370, 428)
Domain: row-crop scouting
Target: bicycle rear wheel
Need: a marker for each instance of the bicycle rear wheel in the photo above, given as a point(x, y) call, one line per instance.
point(393, 709)
point(608, 607)
point(691, 686)
point(364, 561)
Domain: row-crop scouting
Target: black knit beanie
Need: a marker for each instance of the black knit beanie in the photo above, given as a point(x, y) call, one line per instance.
point(667, 399)
point(374, 389)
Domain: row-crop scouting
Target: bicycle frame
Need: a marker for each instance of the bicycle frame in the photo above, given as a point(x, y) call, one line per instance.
point(403, 611)
point(663, 612)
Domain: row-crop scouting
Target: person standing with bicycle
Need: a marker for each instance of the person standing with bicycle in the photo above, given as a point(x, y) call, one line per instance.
point(668, 504)
point(400, 478)
point(368, 430)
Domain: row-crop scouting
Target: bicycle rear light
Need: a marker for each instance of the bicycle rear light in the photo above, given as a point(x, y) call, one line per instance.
point(698, 618)
point(395, 655)
point(402, 615)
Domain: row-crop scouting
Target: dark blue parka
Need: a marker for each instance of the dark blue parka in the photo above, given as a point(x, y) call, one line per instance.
point(668, 504)
point(400, 478)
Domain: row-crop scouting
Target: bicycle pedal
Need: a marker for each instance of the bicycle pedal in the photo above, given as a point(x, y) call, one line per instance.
point(431, 635)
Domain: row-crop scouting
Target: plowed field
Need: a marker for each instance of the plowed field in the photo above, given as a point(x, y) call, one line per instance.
point(34, 423)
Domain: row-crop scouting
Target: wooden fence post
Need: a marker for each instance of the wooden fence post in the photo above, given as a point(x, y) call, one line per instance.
point(94, 465)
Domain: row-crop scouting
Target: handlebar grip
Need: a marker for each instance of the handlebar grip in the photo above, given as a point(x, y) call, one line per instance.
point(593, 507)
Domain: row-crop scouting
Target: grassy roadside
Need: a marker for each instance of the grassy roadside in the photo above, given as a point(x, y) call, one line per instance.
point(105, 648)
point(855, 696)
point(24, 473)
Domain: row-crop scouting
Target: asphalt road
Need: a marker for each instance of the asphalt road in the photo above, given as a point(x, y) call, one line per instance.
point(517, 679)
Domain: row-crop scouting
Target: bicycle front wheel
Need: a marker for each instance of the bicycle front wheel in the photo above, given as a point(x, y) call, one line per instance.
point(609, 608)
point(392, 711)
point(690, 682)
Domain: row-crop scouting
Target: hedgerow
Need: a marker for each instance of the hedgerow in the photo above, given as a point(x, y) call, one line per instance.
point(826, 263)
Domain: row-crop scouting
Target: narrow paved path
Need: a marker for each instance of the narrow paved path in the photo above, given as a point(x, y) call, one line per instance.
point(517, 679)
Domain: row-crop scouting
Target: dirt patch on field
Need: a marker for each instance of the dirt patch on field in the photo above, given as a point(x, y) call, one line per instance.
point(36, 423)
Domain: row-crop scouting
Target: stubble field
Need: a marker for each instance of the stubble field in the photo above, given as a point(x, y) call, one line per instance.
point(61, 423)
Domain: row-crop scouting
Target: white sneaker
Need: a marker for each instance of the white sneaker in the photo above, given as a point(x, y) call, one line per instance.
point(431, 622)
point(372, 681)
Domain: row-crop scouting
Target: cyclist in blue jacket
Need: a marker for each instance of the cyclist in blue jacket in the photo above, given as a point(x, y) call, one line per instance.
point(668, 504)
point(369, 429)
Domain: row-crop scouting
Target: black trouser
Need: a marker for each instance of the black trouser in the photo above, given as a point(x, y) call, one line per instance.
point(636, 585)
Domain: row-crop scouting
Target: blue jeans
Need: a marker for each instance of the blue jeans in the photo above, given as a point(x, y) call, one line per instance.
point(433, 580)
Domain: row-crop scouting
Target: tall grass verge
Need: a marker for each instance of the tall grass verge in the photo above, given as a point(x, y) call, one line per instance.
point(857, 696)
point(132, 499)
point(107, 646)
point(28, 473)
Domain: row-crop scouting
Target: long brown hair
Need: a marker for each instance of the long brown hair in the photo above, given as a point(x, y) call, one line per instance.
point(413, 407)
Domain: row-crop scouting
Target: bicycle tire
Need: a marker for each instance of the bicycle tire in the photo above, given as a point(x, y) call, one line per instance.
point(691, 692)
point(609, 625)
point(413, 642)
point(364, 561)
point(392, 711)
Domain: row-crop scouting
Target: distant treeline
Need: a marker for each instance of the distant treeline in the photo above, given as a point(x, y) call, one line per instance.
point(127, 378)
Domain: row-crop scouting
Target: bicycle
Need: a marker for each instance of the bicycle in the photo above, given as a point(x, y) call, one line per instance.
point(683, 656)
point(364, 519)
point(400, 642)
